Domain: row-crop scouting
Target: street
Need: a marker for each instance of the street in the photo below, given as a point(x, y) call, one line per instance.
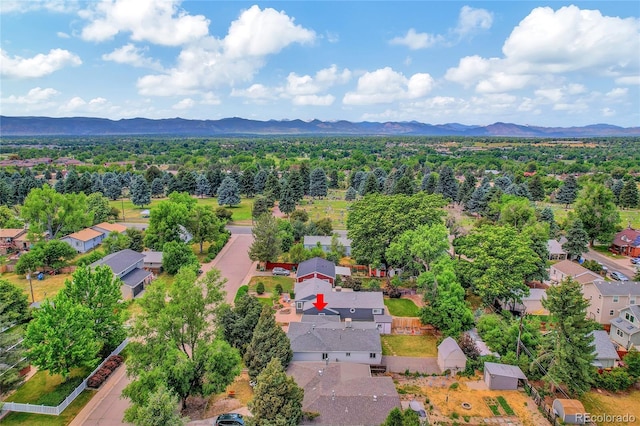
point(623, 264)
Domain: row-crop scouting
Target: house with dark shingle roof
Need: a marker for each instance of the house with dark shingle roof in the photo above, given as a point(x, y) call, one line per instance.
point(356, 305)
point(128, 266)
point(320, 339)
point(625, 329)
point(344, 394)
point(85, 240)
point(603, 349)
point(316, 268)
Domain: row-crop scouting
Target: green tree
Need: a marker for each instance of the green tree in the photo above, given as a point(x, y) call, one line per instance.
point(56, 254)
point(13, 304)
point(272, 187)
point(9, 219)
point(115, 241)
point(277, 399)
point(204, 225)
point(394, 418)
point(568, 349)
point(466, 189)
point(54, 213)
point(351, 194)
point(599, 215)
point(424, 245)
point(298, 253)
point(447, 184)
point(629, 194)
point(429, 183)
point(98, 290)
point(228, 193)
point(140, 191)
point(176, 255)
point(260, 207)
point(13, 310)
point(404, 185)
point(164, 224)
point(536, 188)
point(287, 203)
point(136, 239)
point(157, 188)
point(318, 183)
point(99, 206)
point(493, 250)
point(376, 220)
point(60, 338)
point(410, 418)
point(516, 211)
point(246, 182)
point(632, 361)
point(266, 244)
point(577, 240)
point(239, 322)
point(174, 341)
point(268, 342)
point(371, 185)
point(161, 409)
point(568, 191)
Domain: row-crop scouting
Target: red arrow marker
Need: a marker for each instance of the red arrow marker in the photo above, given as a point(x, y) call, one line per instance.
point(320, 303)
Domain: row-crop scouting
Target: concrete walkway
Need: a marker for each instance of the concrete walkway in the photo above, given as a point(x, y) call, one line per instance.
point(400, 364)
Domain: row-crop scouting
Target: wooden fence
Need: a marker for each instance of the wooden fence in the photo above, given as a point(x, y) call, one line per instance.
point(546, 409)
point(56, 411)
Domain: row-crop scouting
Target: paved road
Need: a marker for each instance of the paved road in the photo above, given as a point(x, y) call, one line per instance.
point(622, 265)
point(106, 408)
point(234, 264)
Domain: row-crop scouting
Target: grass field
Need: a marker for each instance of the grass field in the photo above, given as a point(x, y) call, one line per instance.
point(333, 206)
point(46, 288)
point(402, 307)
point(630, 216)
point(416, 346)
point(270, 283)
point(67, 416)
point(616, 404)
point(44, 385)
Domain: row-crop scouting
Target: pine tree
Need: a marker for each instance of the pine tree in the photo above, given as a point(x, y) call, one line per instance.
point(503, 182)
point(287, 203)
point(140, 191)
point(305, 173)
point(246, 183)
point(467, 188)
point(577, 240)
point(272, 187)
point(629, 194)
point(568, 192)
point(266, 242)
point(203, 187)
point(297, 185)
point(259, 181)
point(429, 183)
point(268, 342)
point(546, 215)
point(371, 185)
point(447, 184)
point(334, 179)
point(215, 177)
point(356, 179)
point(394, 418)
point(478, 201)
point(616, 188)
point(351, 194)
point(157, 188)
point(569, 347)
point(228, 193)
point(277, 399)
point(404, 185)
point(318, 183)
point(536, 188)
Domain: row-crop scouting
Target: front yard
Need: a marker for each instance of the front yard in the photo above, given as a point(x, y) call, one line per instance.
point(402, 307)
point(270, 283)
point(415, 346)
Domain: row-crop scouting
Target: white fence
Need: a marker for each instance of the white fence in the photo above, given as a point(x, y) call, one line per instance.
point(56, 411)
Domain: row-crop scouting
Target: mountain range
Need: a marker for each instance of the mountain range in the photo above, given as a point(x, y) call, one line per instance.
point(88, 126)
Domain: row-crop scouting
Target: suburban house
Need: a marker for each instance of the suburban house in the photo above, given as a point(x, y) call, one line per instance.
point(152, 261)
point(84, 240)
point(128, 266)
point(568, 268)
point(604, 351)
point(106, 228)
point(344, 394)
point(627, 242)
point(10, 240)
point(356, 305)
point(607, 298)
point(556, 252)
point(312, 241)
point(570, 411)
point(316, 268)
point(531, 303)
point(625, 329)
point(451, 357)
point(502, 376)
point(331, 340)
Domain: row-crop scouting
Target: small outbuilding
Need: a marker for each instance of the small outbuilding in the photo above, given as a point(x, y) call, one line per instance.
point(570, 411)
point(502, 376)
point(450, 356)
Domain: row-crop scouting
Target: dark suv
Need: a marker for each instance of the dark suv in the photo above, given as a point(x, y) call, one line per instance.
point(229, 419)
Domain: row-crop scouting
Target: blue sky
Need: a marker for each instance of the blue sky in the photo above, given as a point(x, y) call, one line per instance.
point(538, 63)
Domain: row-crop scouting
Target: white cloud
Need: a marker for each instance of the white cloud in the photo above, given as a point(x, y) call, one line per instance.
point(314, 100)
point(130, 54)
point(257, 92)
point(62, 34)
point(38, 66)
point(386, 85)
point(210, 98)
point(79, 105)
point(158, 22)
point(24, 6)
point(617, 93)
point(73, 104)
point(629, 80)
point(607, 112)
point(549, 43)
point(470, 20)
point(414, 40)
point(186, 103)
point(34, 96)
point(211, 62)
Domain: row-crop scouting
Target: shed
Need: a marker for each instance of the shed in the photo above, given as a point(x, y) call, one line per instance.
point(570, 411)
point(450, 356)
point(502, 376)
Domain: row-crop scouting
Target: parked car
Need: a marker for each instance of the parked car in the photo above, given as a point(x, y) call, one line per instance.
point(636, 260)
point(619, 276)
point(280, 271)
point(229, 419)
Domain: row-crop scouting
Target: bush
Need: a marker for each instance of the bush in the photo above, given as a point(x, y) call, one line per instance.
point(278, 289)
point(98, 378)
point(260, 287)
point(90, 258)
point(224, 214)
point(241, 292)
point(615, 380)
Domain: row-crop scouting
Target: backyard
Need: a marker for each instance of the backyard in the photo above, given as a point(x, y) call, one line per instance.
point(47, 288)
point(599, 403)
point(414, 346)
point(402, 307)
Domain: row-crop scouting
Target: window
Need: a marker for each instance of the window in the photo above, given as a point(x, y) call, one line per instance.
point(611, 312)
point(619, 333)
point(377, 311)
point(372, 355)
point(348, 353)
point(599, 296)
point(325, 355)
point(632, 301)
point(629, 317)
point(615, 299)
point(598, 311)
point(299, 305)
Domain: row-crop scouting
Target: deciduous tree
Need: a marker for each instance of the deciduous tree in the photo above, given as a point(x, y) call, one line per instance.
point(161, 409)
point(204, 225)
point(99, 206)
point(266, 244)
point(164, 223)
point(424, 245)
point(595, 207)
point(176, 255)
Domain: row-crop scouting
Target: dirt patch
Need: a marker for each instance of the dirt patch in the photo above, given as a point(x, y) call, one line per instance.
point(224, 403)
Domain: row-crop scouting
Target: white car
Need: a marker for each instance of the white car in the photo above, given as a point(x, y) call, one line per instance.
point(280, 271)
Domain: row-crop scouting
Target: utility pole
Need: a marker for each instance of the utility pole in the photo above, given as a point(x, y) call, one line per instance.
point(520, 333)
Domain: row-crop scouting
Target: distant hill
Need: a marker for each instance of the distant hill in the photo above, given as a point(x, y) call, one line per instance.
point(85, 126)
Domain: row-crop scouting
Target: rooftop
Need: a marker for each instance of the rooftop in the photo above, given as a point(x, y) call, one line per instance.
point(332, 337)
point(119, 261)
point(603, 348)
point(449, 347)
point(572, 268)
point(135, 277)
point(617, 288)
point(317, 264)
point(555, 247)
point(87, 234)
point(111, 227)
point(504, 370)
point(309, 288)
point(571, 406)
point(152, 256)
point(11, 232)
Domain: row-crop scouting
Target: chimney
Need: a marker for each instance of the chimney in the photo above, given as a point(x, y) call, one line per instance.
point(320, 372)
point(375, 398)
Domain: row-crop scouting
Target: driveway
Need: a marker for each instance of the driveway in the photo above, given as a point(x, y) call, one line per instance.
point(234, 264)
point(106, 408)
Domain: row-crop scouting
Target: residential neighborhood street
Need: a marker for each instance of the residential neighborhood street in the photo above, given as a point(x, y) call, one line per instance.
point(623, 264)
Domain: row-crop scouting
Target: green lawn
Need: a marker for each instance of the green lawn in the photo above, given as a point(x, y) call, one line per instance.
point(415, 346)
point(46, 389)
point(333, 206)
point(67, 416)
point(402, 307)
point(626, 216)
point(266, 301)
point(270, 283)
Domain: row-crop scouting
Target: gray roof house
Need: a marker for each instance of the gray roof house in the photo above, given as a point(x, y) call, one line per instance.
point(450, 356)
point(556, 252)
point(316, 268)
point(356, 305)
point(607, 298)
point(625, 329)
point(604, 351)
point(152, 261)
point(502, 376)
point(344, 394)
point(332, 341)
point(128, 266)
point(311, 241)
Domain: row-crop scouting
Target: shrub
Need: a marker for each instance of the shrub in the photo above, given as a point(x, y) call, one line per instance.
point(615, 380)
point(90, 258)
point(260, 287)
point(224, 214)
point(454, 386)
point(278, 289)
